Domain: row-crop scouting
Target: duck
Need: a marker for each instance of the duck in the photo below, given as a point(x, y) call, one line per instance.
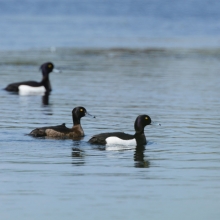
point(122, 138)
point(33, 87)
point(61, 131)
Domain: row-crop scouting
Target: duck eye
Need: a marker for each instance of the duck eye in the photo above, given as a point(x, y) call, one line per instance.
point(146, 118)
point(49, 65)
point(81, 110)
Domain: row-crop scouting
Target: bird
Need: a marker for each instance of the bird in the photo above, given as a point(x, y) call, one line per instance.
point(33, 87)
point(61, 131)
point(122, 138)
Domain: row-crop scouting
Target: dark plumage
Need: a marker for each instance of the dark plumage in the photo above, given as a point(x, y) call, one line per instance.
point(101, 138)
point(61, 131)
point(46, 68)
point(140, 122)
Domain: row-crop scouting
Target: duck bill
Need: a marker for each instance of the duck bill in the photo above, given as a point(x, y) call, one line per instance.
point(89, 115)
point(155, 124)
point(56, 71)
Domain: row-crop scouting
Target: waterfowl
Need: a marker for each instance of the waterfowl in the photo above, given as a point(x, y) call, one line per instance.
point(61, 131)
point(122, 138)
point(33, 87)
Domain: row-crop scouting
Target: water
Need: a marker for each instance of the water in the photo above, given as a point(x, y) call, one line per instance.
point(125, 23)
point(118, 60)
point(176, 176)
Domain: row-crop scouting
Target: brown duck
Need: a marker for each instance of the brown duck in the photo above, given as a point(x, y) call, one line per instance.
point(61, 131)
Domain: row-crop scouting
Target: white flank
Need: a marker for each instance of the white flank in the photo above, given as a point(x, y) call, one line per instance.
point(116, 140)
point(28, 90)
point(117, 144)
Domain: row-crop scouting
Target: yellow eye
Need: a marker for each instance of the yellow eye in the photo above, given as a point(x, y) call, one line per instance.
point(49, 65)
point(146, 118)
point(81, 110)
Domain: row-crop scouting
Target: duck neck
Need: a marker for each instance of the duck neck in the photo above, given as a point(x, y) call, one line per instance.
point(46, 83)
point(140, 138)
point(76, 120)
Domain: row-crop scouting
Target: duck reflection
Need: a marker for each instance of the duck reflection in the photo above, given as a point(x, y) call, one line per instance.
point(45, 98)
point(78, 156)
point(139, 159)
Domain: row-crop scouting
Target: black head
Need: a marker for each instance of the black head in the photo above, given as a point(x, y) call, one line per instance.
point(140, 122)
point(46, 68)
point(78, 113)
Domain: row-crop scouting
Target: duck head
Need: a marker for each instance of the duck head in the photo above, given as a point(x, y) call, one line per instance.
point(78, 113)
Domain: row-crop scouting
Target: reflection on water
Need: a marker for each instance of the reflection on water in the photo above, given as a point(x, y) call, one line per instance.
point(45, 98)
point(76, 152)
point(78, 156)
point(139, 158)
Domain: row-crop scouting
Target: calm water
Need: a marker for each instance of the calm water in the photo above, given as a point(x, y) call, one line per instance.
point(176, 176)
point(168, 68)
point(110, 23)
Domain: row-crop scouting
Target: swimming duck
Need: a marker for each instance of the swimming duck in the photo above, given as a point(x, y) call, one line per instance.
point(33, 87)
point(122, 138)
point(61, 131)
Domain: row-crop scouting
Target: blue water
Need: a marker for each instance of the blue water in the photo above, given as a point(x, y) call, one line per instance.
point(40, 24)
point(118, 59)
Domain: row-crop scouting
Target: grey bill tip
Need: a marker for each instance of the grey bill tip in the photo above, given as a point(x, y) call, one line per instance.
point(87, 114)
point(153, 123)
point(56, 71)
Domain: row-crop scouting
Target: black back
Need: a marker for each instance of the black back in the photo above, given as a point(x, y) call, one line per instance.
point(101, 138)
point(41, 132)
point(13, 87)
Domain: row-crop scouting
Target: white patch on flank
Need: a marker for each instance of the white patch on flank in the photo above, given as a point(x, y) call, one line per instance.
point(115, 143)
point(116, 140)
point(28, 90)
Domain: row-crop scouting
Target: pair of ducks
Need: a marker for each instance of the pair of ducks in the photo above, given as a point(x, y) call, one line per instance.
point(61, 131)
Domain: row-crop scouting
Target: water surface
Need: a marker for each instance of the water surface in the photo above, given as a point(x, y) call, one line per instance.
point(119, 59)
point(112, 23)
point(175, 176)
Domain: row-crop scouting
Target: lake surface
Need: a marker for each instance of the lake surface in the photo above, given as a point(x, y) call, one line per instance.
point(119, 59)
point(175, 176)
point(110, 23)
